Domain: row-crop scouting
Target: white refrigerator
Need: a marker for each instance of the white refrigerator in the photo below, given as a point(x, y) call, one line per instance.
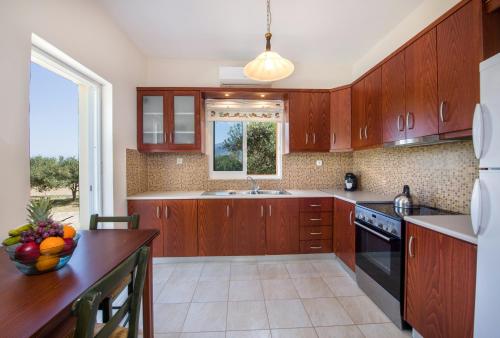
point(485, 202)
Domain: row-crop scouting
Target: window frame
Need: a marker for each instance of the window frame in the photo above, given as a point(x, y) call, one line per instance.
point(241, 175)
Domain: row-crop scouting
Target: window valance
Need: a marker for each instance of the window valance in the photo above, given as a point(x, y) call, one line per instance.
point(244, 110)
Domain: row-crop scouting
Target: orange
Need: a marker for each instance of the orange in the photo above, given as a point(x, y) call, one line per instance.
point(45, 263)
point(69, 231)
point(51, 245)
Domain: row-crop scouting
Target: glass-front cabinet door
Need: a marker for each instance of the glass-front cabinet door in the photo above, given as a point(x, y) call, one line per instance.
point(184, 120)
point(152, 122)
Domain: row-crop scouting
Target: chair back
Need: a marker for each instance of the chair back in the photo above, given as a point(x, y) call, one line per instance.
point(86, 307)
point(133, 220)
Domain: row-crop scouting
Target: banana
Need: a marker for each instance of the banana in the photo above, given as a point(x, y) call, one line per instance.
point(11, 240)
point(17, 231)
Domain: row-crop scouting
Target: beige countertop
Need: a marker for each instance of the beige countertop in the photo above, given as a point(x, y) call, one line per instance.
point(457, 226)
point(358, 196)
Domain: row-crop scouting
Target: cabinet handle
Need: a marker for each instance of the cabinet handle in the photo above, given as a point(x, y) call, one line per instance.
point(227, 211)
point(166, 212)
point(314, 138)
point(401, 125)
point(315, 219)
point(307, 138)
point(157, 211)
point(171, 138)
point(366, 132)
point(316, 247)
point(410, 247)
point(350, 217)
point(441, 111)
point(334, 138)
point(408, 120)
point(315, 233)
point(164, 137)
point(410, 116)
point(270, 210)
point(360, 133)
point(314, 205)
point(261, 211)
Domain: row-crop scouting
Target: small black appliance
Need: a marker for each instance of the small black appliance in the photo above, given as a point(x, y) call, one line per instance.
point(350, 182)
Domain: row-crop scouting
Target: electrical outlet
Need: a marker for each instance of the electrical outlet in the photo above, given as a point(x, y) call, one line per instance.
point(179, 160)
point(319, 163)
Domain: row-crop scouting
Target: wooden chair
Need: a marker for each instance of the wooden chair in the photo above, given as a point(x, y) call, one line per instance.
point(86, 307)
point(133, 223)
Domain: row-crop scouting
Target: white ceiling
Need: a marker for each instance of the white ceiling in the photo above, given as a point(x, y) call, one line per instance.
point(333, 31)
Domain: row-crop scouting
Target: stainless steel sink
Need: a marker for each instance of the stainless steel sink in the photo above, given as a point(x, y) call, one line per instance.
point(267, 192)
point(249, 192)
point(219, 193)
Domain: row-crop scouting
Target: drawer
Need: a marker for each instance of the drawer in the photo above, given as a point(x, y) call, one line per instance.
point(316, 204)
point(321, 232)
point(316, 246)
point(315, 218)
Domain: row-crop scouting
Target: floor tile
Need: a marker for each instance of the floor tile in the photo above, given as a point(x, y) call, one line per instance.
point(362, 310)
point(157, 288)
point(287, 314)
point(162, 272)
point(388, 330)
point(250, 315)
point(279, 289)
point(245, 290)
point(273, 271)
point(343, 286)
point(312, 288)
point(169, 317)
point(347, 331)
point(249, 334)
point(215, 271)
point(177, 292)
point(203, 335)
point(301, 270)
point(326, 312)
point(244, 271)
point(186, 272)
point(203, 317)
point(294, 333)
point(165, 335)
point(211, 291)
point(329, 268)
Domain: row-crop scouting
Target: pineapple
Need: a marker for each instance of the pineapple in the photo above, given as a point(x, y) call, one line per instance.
point(39, 210)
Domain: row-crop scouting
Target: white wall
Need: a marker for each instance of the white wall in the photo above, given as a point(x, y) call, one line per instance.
point(410, 26)
point(83, 31)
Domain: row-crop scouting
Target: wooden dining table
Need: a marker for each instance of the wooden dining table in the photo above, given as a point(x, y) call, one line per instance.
point(40, 305)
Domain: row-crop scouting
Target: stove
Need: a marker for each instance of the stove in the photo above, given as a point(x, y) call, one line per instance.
point(380, 253)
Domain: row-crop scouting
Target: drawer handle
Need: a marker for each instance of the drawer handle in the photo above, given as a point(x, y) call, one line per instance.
point(316, 247)
point(157, 211)
point(314, 205)
point(315, 219)
point(410, 246)
point(315, 233)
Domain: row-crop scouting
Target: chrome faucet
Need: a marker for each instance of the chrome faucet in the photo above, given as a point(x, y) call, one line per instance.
point(254, 186)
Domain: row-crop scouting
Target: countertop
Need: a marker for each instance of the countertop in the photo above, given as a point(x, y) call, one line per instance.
point(349, 196)
point(457, 226)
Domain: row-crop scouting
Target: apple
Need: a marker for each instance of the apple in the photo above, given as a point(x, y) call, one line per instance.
point(27, 253)
point(69, 245)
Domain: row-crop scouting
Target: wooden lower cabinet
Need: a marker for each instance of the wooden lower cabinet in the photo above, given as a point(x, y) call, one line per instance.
point(440, 283)
point(150, 217)
point(344, 232)
point(215, 227)
point(180, 227)
point(282, 226)
point(249, 227)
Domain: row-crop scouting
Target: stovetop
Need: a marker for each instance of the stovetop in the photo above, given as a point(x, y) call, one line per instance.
point(420, 210)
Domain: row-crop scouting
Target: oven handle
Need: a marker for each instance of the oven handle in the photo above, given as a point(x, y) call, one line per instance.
point(373, 232)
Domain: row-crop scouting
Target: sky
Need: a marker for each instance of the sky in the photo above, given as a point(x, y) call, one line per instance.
point(53, 114)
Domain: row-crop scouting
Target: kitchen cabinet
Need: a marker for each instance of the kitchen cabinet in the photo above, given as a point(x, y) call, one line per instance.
point(316, 230)
point(340, 120)
point(282, 226)
point(309, 121)
point(215, 227)
point(180, 228)
point(366, 128)
point(168, 120)
point(344, 232)
point(249, 230)
point(421, 87)
point(393, 99)
point(150, 217)
point(440, 283)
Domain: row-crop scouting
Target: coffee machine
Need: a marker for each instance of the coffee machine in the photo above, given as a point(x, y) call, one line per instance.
point(350, 182)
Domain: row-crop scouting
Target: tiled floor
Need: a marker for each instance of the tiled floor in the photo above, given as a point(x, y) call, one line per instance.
point(283, 298)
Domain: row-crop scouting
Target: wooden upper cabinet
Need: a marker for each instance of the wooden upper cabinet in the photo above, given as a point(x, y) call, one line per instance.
point(309, 118)
point(344, 234)
point(372, 130)
point(393, 99)
point(440, 283)
point(340, 119)
point(357, 114)
point(168, 121)
point(458, 55)
point(215, 227)
point(249, 227)
point(282, 226)
point(421, 116)
point(180, 228)
point(150, 217)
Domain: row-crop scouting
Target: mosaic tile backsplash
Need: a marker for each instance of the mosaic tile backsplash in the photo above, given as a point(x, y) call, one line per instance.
point(440, 175)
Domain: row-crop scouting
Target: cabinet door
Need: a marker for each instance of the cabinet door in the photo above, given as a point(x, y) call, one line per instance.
point(215, 227)
point(344, 232)
point(340, 119)
point(150, 217)
point(458, 55)
point(152, 121)
point(300, 117)
point(393, 98)
point(358, 114)
point(249, 231)
point(320, 121)
point(421, 86)
point(282, 226)
point(184, 116)
point(372, 131)
point(180, 228)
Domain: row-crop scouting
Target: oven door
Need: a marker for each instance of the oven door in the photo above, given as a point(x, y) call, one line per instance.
point(379, 255)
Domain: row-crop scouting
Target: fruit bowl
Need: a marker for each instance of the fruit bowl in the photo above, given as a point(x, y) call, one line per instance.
point(31, 261)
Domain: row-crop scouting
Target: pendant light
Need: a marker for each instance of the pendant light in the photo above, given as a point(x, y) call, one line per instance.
point(268, 66)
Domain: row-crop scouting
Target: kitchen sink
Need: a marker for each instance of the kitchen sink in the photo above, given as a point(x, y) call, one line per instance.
point(248, 192)
point(219, 193)
point(267, 192)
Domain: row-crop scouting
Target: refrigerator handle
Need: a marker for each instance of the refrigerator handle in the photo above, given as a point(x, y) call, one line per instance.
point(475, 207)
point(478, 131)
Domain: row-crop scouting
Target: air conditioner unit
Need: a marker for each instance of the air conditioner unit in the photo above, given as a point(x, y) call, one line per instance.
point(234, 77)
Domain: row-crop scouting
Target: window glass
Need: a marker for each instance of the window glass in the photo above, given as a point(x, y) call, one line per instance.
point(261, 148)
point(228, 146)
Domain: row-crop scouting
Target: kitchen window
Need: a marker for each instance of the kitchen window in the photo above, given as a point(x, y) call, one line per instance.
point(244, 138)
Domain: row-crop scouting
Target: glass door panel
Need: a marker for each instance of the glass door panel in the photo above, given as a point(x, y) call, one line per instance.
point(153, 123)
point(184, 120)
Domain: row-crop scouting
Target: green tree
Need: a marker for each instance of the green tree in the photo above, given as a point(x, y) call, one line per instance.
point(261, 148)
point(43, 173)
point(234, 141)
point(232, 160)
point(69, 174)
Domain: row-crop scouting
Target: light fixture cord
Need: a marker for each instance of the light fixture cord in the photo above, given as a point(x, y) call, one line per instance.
point(269, 19)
